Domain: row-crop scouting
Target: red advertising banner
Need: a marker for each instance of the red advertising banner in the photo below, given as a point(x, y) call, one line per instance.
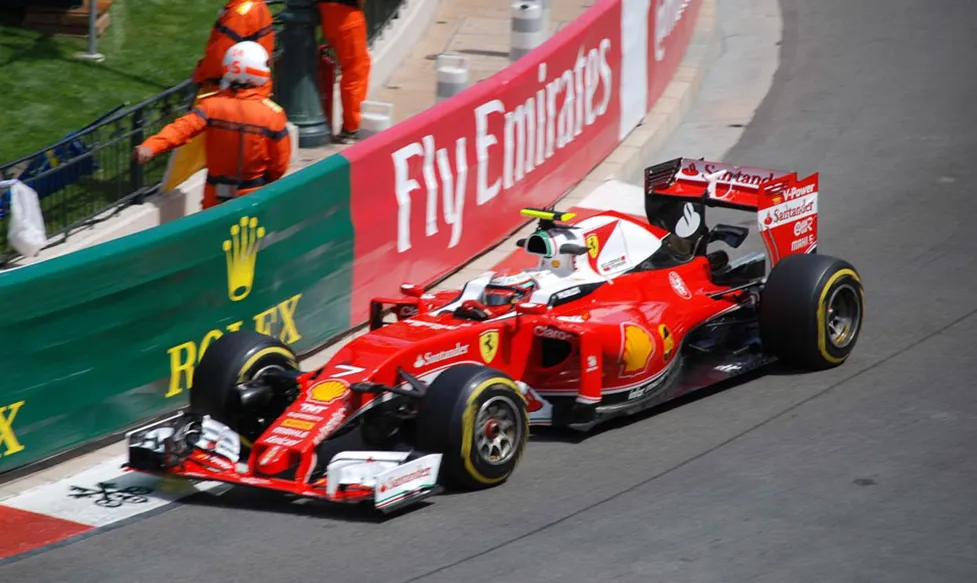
point(670, 27)
point(434, 191)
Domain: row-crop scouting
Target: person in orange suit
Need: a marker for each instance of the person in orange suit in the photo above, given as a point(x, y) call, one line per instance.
point(238, 21)
point(344, 28)
point(247, 143)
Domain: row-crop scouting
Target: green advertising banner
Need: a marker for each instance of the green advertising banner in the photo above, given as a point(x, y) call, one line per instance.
point(100, 339)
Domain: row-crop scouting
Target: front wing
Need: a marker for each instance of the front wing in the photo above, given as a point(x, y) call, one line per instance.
point(177, 446)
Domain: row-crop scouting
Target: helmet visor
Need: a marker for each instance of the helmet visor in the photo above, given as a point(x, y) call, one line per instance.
point(501, 296)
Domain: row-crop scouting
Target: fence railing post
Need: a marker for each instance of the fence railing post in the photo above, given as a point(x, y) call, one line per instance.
point(135, 168)
point(92, 54)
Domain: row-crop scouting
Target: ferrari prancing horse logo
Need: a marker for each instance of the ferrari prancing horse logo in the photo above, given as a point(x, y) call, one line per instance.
point(488, 345)
point(593, 245)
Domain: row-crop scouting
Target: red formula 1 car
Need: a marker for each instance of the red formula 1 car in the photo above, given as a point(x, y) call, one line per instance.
point(618, 315)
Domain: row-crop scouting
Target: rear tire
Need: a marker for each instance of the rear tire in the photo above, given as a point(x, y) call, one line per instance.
point(477, 418)
point(232, 359)
point(811, 311)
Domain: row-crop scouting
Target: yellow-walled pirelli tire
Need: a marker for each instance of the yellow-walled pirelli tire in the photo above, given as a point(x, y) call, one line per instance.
point(476, 418)
point(811, 311)
point(229, 361)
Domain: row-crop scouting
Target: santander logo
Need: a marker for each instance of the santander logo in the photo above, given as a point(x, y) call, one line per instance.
point(432, 357)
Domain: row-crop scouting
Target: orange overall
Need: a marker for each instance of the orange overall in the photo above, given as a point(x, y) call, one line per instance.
point(344, 28)
point(240, 20)
point(247, 143)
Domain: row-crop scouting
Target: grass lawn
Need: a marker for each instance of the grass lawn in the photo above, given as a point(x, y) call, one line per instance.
point(149, 46)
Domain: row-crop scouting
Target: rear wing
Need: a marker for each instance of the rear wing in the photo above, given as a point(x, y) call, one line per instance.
point(677, 192)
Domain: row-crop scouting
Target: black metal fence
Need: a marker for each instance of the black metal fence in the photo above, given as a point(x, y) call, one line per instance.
point(91, 171)
point(380, 14)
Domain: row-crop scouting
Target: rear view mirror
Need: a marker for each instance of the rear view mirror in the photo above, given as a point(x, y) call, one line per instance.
point(411, 290)
point(572, 249)
point(531, 308)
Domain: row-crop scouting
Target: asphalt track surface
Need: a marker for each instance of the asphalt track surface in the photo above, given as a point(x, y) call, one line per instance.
point(863, 473)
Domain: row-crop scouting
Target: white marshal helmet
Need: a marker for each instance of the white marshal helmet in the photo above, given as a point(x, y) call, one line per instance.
point(246, 63)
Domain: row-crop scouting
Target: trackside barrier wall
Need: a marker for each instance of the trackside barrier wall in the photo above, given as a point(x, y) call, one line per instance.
point(447, 184)
point(102, 338)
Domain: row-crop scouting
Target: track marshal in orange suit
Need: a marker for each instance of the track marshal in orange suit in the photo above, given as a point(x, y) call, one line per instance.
point(344, 28)
point(247, 143)
point(239, 21)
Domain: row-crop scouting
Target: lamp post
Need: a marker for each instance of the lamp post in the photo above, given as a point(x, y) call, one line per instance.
point(92, 55)
point(296, 72)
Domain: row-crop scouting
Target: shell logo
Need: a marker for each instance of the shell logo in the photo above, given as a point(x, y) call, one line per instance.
point(328, 391)
point(638, 348)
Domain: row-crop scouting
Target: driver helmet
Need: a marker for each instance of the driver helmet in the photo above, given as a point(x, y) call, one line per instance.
point(509, 286)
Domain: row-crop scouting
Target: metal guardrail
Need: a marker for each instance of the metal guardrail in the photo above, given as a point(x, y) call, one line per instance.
point(91, 172)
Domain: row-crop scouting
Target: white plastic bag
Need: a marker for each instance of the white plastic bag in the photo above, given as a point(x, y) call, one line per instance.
point(25, 233)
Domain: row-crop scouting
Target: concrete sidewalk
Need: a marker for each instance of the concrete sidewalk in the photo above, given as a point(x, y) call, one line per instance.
point(477, 29)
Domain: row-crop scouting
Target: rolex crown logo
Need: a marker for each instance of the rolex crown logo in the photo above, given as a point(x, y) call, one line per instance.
point(241, 252)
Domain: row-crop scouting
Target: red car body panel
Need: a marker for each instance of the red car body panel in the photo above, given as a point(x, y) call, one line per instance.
point(606, 326)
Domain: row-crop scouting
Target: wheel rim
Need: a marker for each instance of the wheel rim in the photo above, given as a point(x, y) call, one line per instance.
point(497, 431)
point(844, 315)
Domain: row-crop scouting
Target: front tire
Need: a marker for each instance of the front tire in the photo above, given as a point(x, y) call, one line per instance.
point(477, 418)
point(811, 311)
point(233, 359)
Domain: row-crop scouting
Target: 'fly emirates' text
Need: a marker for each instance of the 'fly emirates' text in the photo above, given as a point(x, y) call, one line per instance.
point(532, 132)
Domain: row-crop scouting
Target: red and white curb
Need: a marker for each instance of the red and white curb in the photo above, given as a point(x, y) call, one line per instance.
point(95, 498)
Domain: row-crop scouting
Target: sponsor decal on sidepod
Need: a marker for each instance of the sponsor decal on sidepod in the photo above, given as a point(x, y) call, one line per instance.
point(678, 285)
point(433, 357)
point(553, 333)
point(637, 349)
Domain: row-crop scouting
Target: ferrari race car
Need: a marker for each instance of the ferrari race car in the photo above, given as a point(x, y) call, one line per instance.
point(618, 315)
